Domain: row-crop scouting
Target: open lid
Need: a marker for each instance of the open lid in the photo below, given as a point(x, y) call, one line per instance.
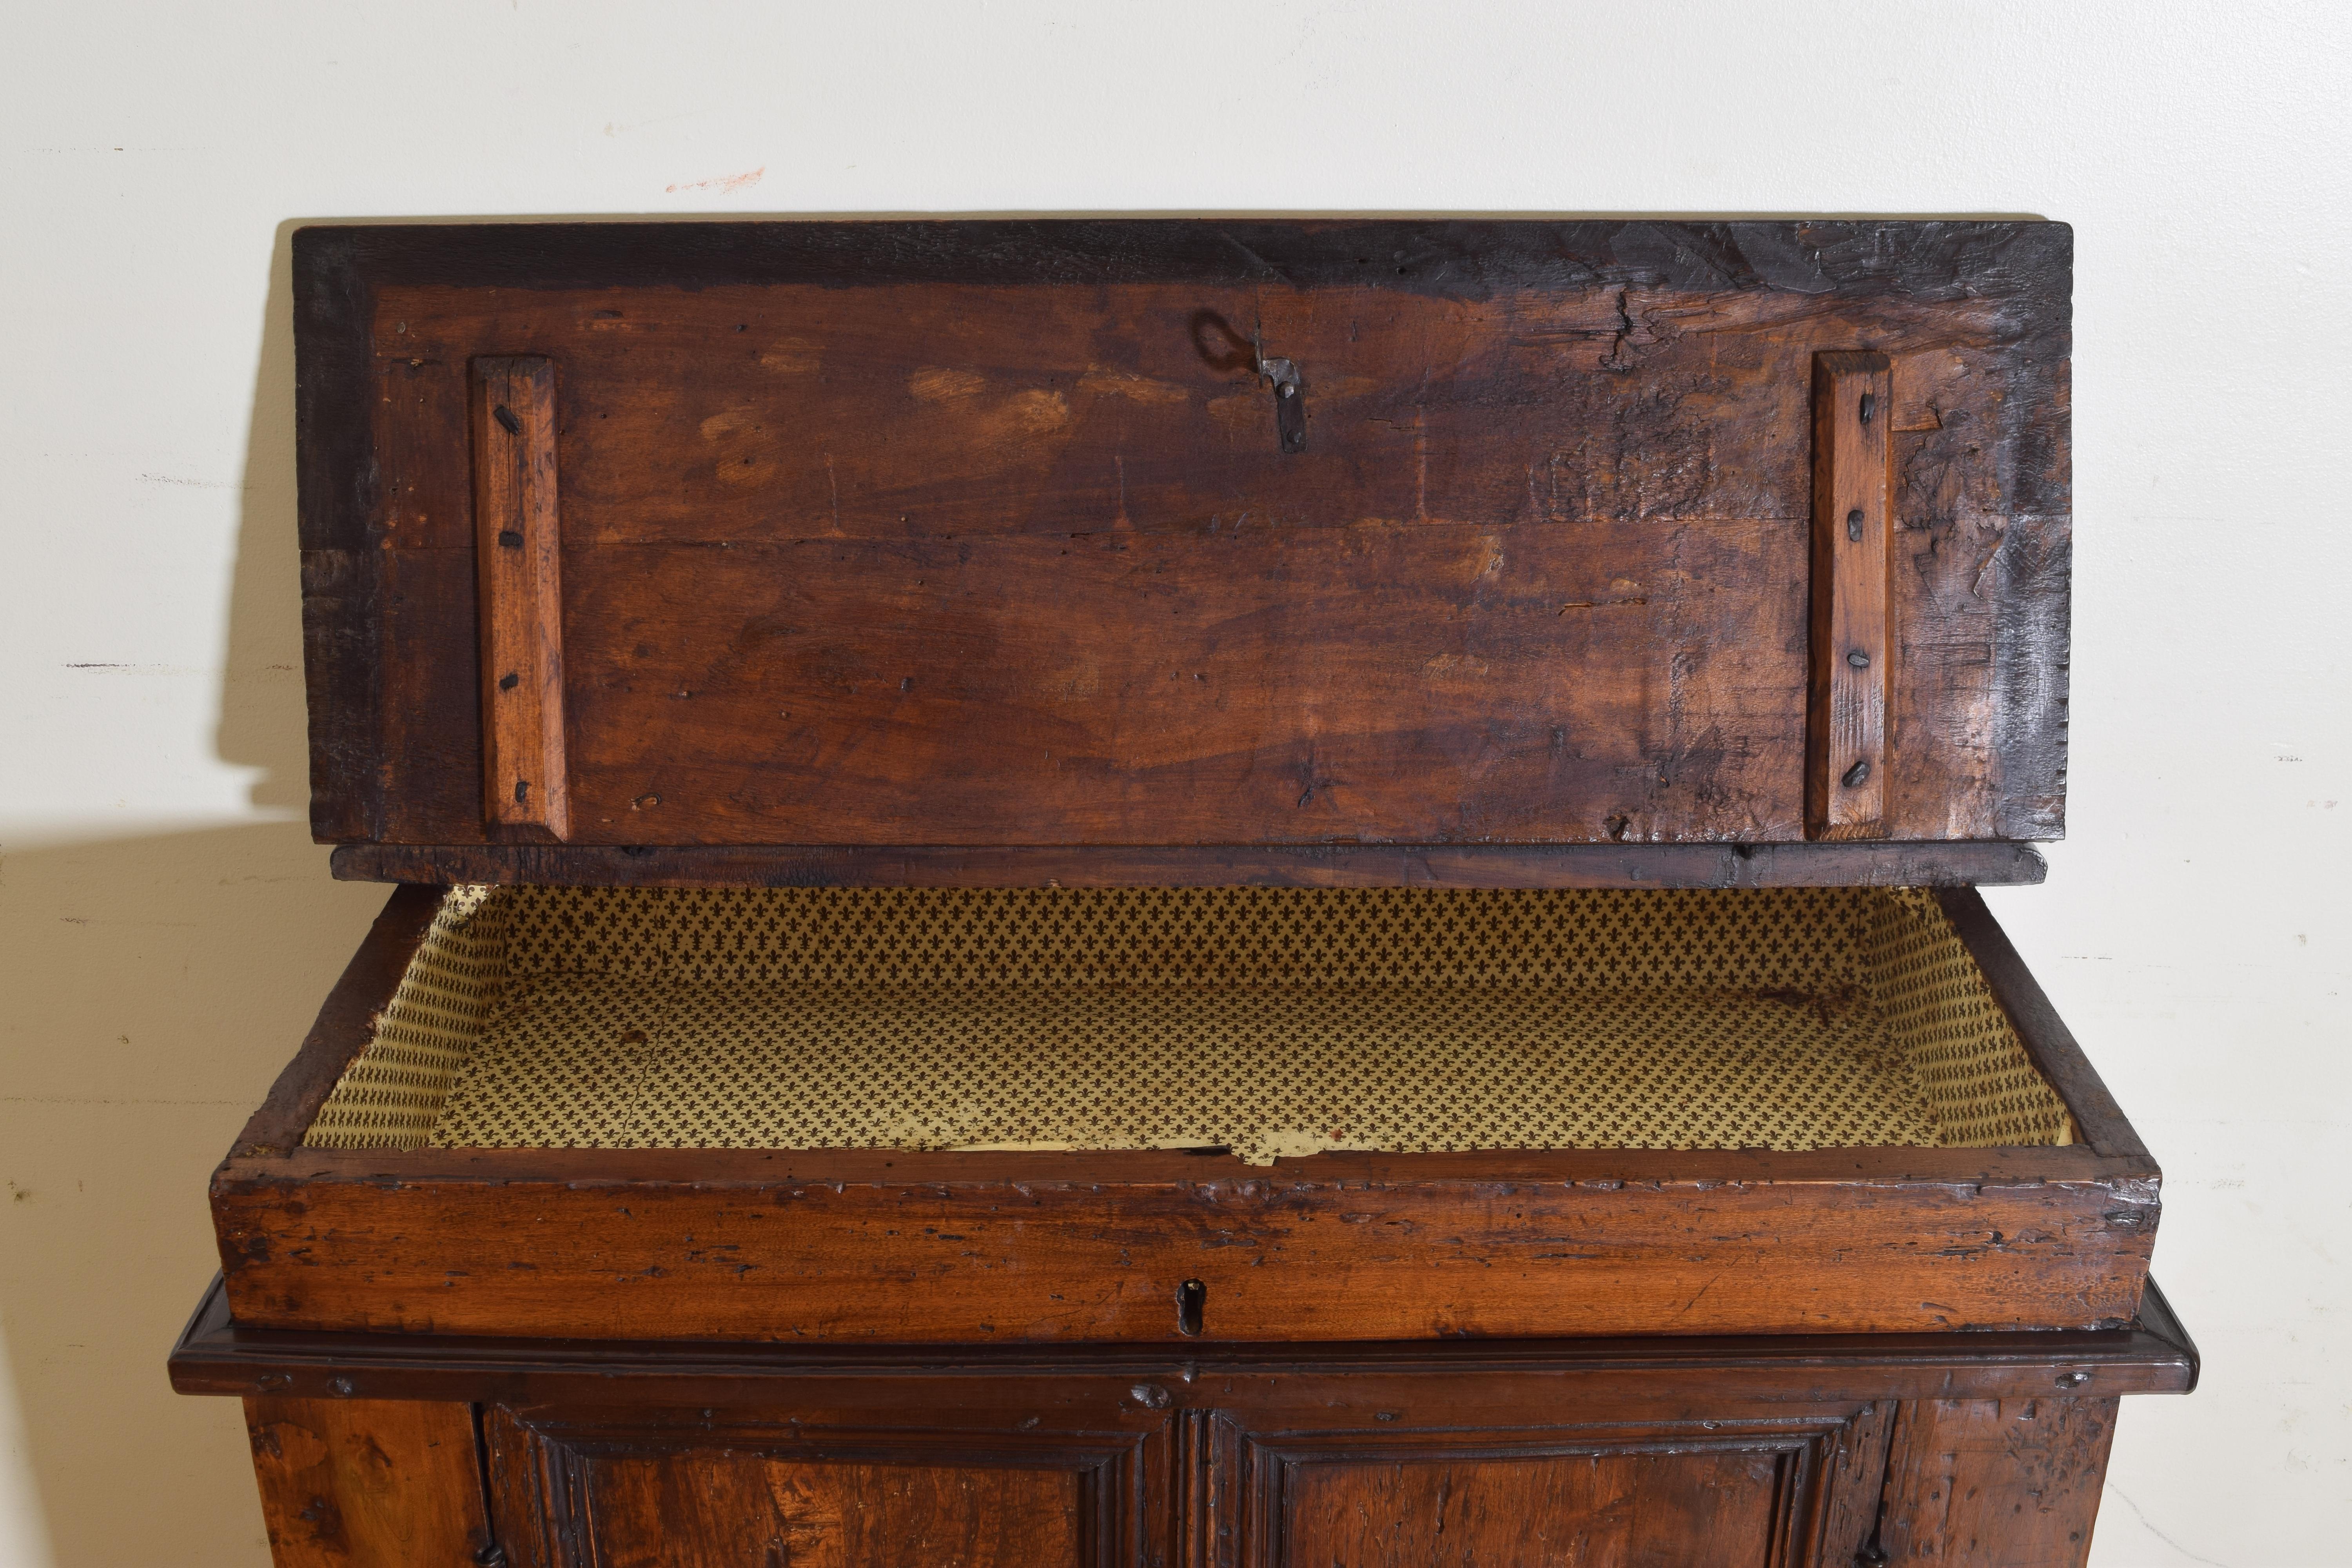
point(1511, 553)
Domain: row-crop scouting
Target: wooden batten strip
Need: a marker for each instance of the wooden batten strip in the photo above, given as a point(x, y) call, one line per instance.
point(518, 585)
point(1852, 644)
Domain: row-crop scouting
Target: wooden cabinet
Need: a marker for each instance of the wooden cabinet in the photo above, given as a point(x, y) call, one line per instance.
point(1185, 894)
point(1776, 1451)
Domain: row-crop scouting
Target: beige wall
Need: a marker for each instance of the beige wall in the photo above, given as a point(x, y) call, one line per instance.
point(166, 930)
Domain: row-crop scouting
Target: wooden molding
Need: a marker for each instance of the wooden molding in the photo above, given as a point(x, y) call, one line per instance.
point(1852, 644)
point(519, 565)
point(1889, 865)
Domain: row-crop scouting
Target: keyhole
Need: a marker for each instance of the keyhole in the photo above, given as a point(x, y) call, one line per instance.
point(1191, 1297)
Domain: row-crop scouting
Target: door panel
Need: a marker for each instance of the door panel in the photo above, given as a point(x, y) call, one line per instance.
point(965, 1488)
point(1592, 1510)
point(721, 1507)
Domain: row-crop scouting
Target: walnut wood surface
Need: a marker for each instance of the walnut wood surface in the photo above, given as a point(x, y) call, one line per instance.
point(827, 1244)
point(367, 1483)
point(1981, 1483)
point(217, 1355)
point(519, 595)
point(1769, 1450)
point(1611, 1509)
point(1319, 865)
point(1854, 638)
point(624, 1489)
point(985, 533)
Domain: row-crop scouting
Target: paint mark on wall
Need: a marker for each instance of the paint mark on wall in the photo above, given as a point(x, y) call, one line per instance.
point(724, 185)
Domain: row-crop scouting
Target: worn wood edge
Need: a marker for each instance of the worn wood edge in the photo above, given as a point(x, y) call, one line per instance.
point(215, 1356)
point(2161, 1323)
point(345, 1024)
point(2026, 259)
point(2048, 1041)
point(1714, 866)
point(1088, 1169)
point(335, 481)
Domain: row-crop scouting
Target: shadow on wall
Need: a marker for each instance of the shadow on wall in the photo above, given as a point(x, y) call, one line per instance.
point(155, 988)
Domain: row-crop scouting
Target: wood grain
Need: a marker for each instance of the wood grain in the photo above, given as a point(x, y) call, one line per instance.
point(1607, 1509)
point(518, 594)
point(367, 1483)
point(625, 1489)
point(1852, 637)
point(820, 479)
point(1978, 1483)
point(844, 1246)
point(1331, 1380)
point(1095, 865)
point(1853, 1483)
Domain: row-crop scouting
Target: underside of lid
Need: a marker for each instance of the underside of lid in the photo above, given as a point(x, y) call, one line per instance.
point(1162, 542)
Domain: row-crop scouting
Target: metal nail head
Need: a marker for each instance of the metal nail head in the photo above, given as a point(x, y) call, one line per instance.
point(1854, 525)
point(506, 416)
point(1858, 658)
point(1855, 775)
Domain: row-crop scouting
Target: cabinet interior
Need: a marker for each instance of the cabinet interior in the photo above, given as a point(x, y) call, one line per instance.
point(1255, 1021)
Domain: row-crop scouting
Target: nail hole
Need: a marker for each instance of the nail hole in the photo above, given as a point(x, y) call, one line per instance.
point(509, 539)
point(1192, 1297)
point(506, 416)
point(1869, 406)
point(523, 790)
point(509, 681)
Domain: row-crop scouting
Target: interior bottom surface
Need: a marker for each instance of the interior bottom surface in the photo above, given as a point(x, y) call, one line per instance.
point(597, 1062)
point(1268, 1021)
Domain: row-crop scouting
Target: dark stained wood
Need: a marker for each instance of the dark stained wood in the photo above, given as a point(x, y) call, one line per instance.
point(1853, 641)
point(2097, 1118)
point(367, 1483)
point(870, 539)
point(827, 1244)
point(2153, 1355)
point(1321, 866)
point(518, 594)
point(345, 1025)
point(1854, 1477)
point(1980, 1483)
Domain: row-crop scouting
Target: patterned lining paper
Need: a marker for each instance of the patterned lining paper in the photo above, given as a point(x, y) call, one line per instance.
point(1269, 1020)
